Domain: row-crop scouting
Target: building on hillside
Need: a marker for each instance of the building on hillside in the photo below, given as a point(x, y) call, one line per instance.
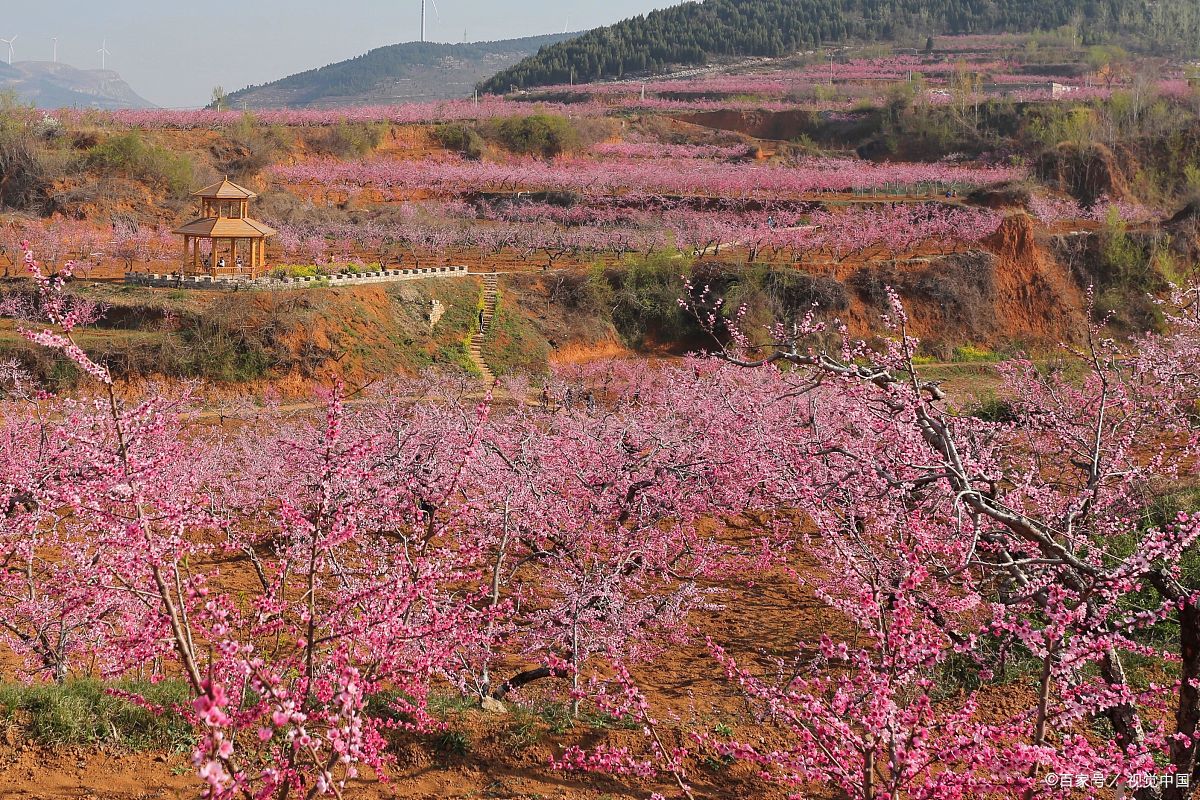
point(238, 243)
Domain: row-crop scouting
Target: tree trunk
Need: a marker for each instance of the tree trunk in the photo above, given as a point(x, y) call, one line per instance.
point(868, 775)
point(1183, 756)
point(522, 678)
point(1124, 718)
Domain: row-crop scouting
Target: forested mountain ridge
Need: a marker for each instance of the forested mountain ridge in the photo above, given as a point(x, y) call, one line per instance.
point(411, 71)
point(695, 32)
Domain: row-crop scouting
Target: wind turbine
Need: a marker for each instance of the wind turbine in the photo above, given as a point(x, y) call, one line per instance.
point(567, 23)
point(104, 54)
point(54, 42)
point(435, 11)
point(9, 43)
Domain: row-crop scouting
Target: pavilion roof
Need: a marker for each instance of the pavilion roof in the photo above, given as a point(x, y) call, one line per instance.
point(224, 227)
point(225, 190)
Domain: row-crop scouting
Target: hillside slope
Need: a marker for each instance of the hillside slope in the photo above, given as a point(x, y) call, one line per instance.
point(48, 84)
point(693, 33)
point(397, 73)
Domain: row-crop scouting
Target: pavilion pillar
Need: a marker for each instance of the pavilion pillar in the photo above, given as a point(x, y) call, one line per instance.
point(195, 255)
point(183, 264)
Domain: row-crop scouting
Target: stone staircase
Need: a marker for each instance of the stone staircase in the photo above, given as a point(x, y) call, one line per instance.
point(475, 349)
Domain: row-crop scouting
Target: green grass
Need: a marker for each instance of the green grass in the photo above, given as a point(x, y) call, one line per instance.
point(81, 712)
point(972, 354)
point(447, 708)
point(324, 270)
point(991, 407)
point(525, 729)
point(236, 337)
point(512, 345)
point(125, 352)
point(448, 344)
point(456, 354)
point(452, 742)
point(529, 724)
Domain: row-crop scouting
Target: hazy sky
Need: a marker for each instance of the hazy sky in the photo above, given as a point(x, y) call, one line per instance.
point(173, 53)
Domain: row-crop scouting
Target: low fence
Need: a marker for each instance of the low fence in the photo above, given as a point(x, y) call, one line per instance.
point(231, 283)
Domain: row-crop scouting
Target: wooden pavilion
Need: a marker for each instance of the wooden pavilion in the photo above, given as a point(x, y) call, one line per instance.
point(225, 221)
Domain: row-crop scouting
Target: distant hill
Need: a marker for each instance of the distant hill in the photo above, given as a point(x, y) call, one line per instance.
point(695, 33)
point(396, 73)
point(48, 84)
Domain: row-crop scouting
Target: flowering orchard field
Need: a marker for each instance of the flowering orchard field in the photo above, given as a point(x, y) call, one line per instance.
point(397, 548)
point(642, 175)
point(535, 231)
point(627, 199)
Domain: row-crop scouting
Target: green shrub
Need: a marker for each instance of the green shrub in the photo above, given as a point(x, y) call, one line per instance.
point(537, 134)
point(24, 179)
point(294, 271)
point(452, 742)
point(1191, 181)
point(1124, 260)
point(460, 138)
point(992, 408)
point(323, 270)
point(787, 292)
point(1054, 124)
point(129, 154)
point(257, 147)
point(590, 291)
point(349, 140)
point(457, 354)
point(646, 294)
point(82, 712)
point(221, 349)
